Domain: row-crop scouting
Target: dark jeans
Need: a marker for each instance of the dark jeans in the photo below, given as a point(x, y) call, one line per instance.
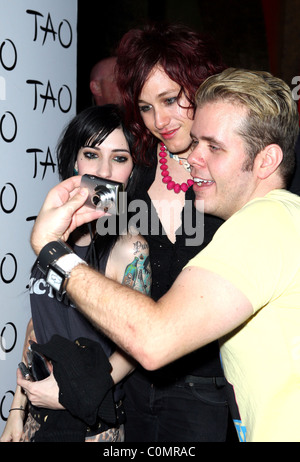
point(184, 411)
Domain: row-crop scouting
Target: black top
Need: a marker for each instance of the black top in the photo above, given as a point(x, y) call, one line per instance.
point(52, 315)
point(167, 260)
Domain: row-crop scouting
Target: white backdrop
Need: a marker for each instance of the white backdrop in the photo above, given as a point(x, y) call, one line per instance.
point(38, 53)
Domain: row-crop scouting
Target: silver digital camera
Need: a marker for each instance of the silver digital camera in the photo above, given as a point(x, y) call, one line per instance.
point(104, 194)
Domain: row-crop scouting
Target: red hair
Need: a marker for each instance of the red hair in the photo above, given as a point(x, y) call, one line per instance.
point(186, 57)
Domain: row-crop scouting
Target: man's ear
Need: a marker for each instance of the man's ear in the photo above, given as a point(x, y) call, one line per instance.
point(268, 160)
point(95, 87)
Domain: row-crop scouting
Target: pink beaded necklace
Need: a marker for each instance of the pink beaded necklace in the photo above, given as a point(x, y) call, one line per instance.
point(167, 179)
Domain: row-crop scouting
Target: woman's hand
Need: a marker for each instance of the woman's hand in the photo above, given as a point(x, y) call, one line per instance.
point(14, 427)
point(13, 430)
point(43, 393)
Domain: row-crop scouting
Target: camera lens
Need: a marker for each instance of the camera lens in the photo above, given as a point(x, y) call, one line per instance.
point(103, 198)
point(96, 199)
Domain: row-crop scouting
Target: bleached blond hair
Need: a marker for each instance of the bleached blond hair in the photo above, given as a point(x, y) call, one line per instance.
point(272, 114)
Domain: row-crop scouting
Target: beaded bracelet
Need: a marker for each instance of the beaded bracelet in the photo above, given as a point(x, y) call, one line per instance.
point(17, 409)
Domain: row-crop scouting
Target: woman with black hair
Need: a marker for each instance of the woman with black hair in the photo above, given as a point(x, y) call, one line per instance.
point(95, 142)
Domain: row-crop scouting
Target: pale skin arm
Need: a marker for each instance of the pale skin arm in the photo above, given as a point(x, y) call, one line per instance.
point(199, 308)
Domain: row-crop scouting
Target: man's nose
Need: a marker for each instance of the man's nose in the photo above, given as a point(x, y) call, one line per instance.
point(197, 156)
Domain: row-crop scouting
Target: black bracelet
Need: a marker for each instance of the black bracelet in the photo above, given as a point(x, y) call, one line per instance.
point(52, 252)
point(17, 409)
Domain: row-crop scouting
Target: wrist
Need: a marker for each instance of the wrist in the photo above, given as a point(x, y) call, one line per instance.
point(51, 253)
point(20, 399)
point(37, 242)
point(21, 409)
point(19, 403)
point(57, 260)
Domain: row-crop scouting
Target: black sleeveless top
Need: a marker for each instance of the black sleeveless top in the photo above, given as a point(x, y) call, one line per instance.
point(51, 315)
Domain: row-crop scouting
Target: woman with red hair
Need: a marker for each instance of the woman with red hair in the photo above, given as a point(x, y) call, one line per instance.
point(159, 68)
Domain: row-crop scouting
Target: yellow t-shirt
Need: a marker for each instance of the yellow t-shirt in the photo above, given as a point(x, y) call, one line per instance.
point(258, 250)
